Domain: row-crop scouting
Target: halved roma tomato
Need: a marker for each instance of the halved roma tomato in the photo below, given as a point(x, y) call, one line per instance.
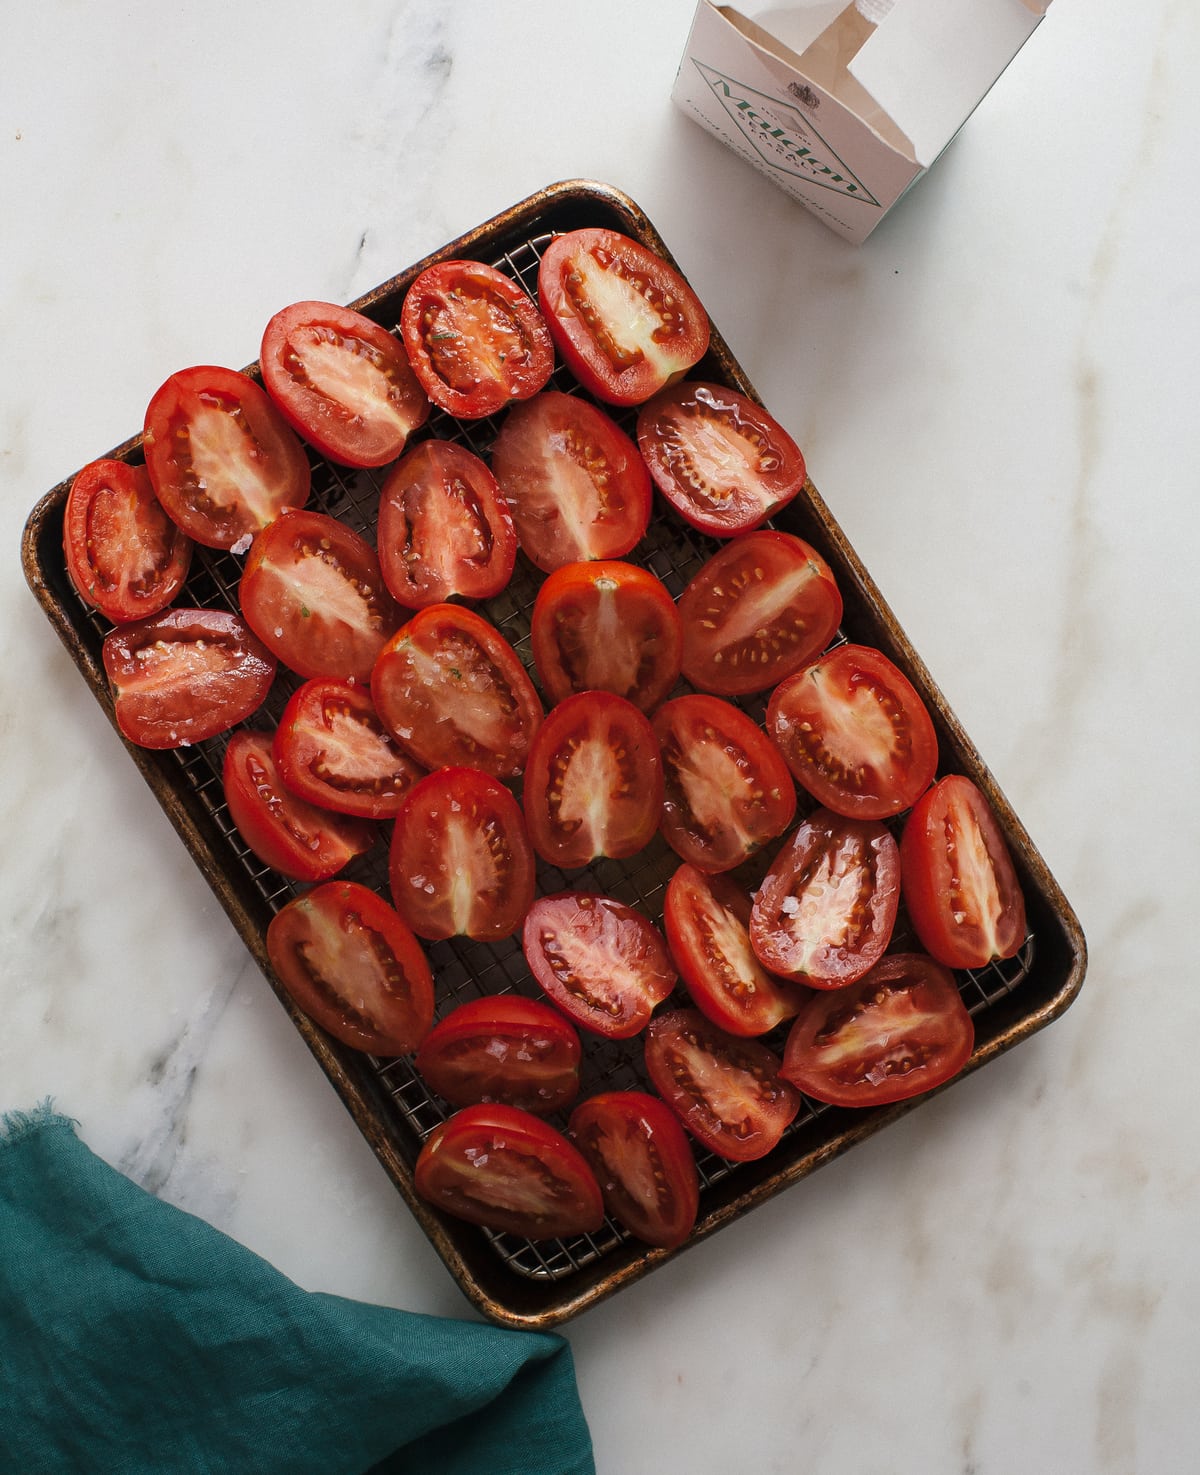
point(575, 483)
point(460, 863)
point(223, 460)
point(825, 911)
point(959, 883)
point(643, 1163)
point(505, 1049)
point(123, 553)
point(764, 605)
point(184, 675)
point(312, 592)
point(901, 1030)
point(475, 340)
point(295, 838)
point(593, 782)
point(855, 733)
point(726, 789)
point(333, 750)
point(443, 528)
point(606, 626)
point(351, 964)
point(726, 1091)
point(719, 459)
point(707, 921)
point(623, 318)
point(509, 1171)
point(452, 691)
point(603, 963)
point(342, 382)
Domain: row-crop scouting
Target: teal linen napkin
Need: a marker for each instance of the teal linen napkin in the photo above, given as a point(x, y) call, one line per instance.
point(135, 1338)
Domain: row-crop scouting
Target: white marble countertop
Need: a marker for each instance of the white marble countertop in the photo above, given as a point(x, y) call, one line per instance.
point(997, 397)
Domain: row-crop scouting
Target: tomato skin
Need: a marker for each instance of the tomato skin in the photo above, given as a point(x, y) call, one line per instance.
point(351, 964)
point(293, 837)
point(642, 1162)
point(124, 555)
point(184, 675)
point(223, 460)
point(504, 1049)
point(606, 626)
point(593, 782)
point(726, 1091)
point(897, 1032)
point(332, 749)
point(453, 692)
point(825, 911)
point(603, 963)
point(599, 290)
point(958, 878)
point(474, 339)
point(444, 528)
point(509, 1171)
point(726, 789)
point(707, 921)
point(460, 863)
point(720, 460)
point(855, 733)
point(764, 605)
point(576, 484)
point(342, 382)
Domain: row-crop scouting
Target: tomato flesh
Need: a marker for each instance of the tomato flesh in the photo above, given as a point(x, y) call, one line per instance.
point(504, 1049)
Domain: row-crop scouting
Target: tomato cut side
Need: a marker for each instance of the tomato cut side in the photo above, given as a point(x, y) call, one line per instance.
point(575, 483)
point(184, 675)
point(959, 882)
point(505, 1049)
point(444, 529)
point(901, 1030)
point(603, 963)
point(855, 733)
point(642, 1162)
point(351, 964)
point(223, 460)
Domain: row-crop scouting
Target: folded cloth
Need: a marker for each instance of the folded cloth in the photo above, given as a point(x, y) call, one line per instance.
point(136, 1338)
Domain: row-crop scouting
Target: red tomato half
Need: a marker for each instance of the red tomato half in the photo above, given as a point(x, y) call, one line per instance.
point(461, 863)
point(452, 691)
point(901, 1030)
point(444, 528)
point(124, 554)
point(474, 338)
point(763, 606)
point(855, 733)
point(726, 789)
point(342, 382)
point(505, 1049)
point(825, 911)
point(606, 626)
point(333, 750)
point(184, 675)
point(593, 783)
point(312, 592)
point(642, 1161)
point(223, 460)
point(727, 1092)
point(351, 964)
point(295, 838)
point(960, 886)
point(719, 459)
point(623, 318)
point(511, 1172)
point(707, 921)
point(575, 483)
point(602, 962)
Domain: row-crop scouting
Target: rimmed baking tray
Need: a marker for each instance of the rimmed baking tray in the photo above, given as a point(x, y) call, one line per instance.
point(513, 1281)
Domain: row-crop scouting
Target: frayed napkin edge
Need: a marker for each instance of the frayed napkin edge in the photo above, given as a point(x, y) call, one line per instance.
point(15, 1126)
